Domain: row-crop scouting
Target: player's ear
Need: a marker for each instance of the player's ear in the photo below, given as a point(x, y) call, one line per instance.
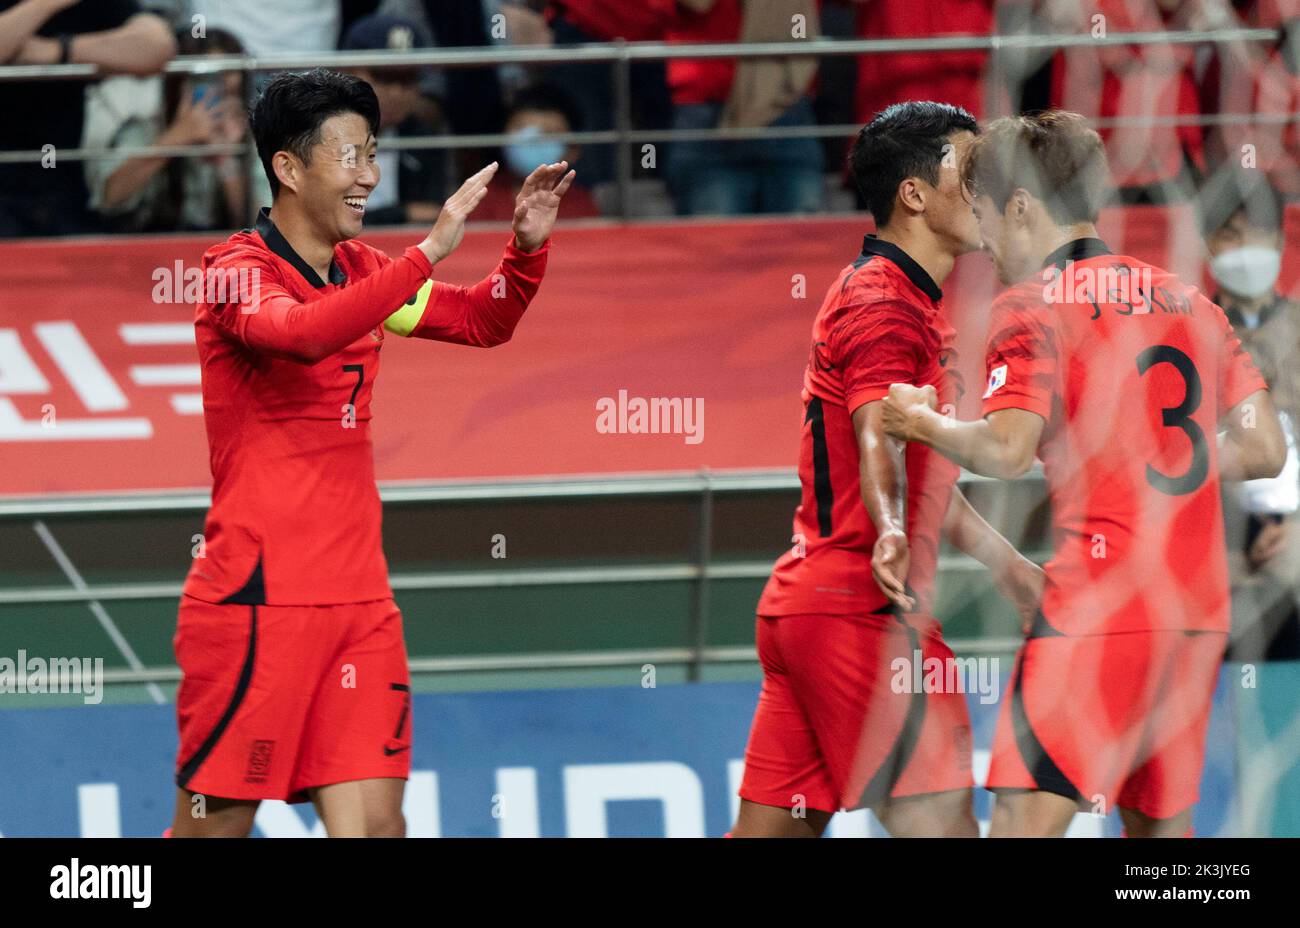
point(288, 169)
point(911, 195)
point(1019, 204)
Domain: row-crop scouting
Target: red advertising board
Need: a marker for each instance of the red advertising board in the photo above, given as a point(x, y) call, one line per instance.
point(99, 381)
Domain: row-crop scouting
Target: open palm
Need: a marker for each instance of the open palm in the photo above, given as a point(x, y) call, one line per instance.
point(538, 203)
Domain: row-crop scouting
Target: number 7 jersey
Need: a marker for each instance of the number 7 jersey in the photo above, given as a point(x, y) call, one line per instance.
point(1131, 370)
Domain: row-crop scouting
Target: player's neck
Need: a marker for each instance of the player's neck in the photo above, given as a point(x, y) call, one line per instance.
point(303, 237)
point(923, 247)
point(1054, 237)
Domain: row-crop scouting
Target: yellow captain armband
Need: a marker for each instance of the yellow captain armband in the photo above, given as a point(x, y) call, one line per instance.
point(404, 321)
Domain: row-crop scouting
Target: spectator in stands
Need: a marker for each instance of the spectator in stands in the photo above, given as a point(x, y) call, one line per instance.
point(1242, 220)
point(1153, 161)
point(955, 77)
point(49, 198)
point(411, 183)
point(146, 194)
point(756, 175)
point(274, 27)
point(536, 113)
point(474, 102)
point(574, 22)
point(1256, 84)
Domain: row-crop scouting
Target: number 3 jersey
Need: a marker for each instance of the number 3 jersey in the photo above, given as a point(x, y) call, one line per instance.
point(1131, 370)
point(881, 322)
point(289, 363)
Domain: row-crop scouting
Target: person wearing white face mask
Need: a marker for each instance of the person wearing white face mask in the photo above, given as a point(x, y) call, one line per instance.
point(536, 114)
point(1242, 221)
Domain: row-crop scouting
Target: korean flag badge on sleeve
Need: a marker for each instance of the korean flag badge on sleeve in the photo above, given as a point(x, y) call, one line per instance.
point(997, 380)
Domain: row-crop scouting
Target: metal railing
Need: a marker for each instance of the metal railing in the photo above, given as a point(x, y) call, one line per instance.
point(707, 485)
point(620, 55)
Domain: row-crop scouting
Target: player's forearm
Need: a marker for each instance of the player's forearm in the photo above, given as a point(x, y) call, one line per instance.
point(20, 23)
point(487, 313)
point(883, 480)
point(310, 332)
point(140, 46)
point(1246, 460)
point(975, 445)
point(966, 530)
point(1253, 444)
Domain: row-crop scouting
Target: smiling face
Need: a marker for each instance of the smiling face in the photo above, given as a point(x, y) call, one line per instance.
point(334, 184)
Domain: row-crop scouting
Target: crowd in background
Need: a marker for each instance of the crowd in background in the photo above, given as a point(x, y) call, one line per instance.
point(1207, 123)
point(1171, 113)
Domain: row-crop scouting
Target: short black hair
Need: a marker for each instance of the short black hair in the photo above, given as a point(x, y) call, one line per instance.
point(546, 97)
point(903, 140)
point(1233, 190)
point(291, 108)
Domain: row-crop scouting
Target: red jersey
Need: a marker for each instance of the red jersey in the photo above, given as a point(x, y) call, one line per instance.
point(880, 323)
point(1131, 370)
point(289, 364)
point(955, 77)
point(703, 80)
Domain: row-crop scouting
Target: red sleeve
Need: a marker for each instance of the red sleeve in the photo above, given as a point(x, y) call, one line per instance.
point(878, 344)
point(1020, 361)
point(266, 317)
point(1238, 375)
point(486, 313)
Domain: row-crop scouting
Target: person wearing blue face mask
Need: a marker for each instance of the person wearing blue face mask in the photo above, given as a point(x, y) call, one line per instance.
point(1242, 222)
point(537, 114)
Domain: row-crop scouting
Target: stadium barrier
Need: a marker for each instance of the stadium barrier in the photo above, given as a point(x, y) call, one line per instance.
point(620, 55)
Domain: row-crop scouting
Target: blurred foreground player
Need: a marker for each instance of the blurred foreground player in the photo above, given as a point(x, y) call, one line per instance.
point(832, 729)
point(1118, 376)
point(295, 681)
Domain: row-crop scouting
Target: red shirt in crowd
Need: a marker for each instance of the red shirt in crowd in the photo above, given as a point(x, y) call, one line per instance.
point(945, 77)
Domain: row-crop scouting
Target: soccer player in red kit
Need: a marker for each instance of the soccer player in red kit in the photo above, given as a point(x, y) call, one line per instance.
point(1118, 376)
point(854, 596)
point(294, 675)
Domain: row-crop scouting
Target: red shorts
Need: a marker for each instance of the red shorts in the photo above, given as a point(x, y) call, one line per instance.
point(275, 700)
point(834, 729)
point(1110, 720)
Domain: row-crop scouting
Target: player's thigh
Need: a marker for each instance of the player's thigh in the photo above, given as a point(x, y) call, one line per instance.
point(1073, 720)
point(199, 816)
point(359, 723)
point(1166, 781)
point(931, 754)
point(362, 808)
point(755, 820)
point(948, 814)
point(1137, 825)
point(1031, 813)
point(839, 670)
point(784, 766)
point(241, 704)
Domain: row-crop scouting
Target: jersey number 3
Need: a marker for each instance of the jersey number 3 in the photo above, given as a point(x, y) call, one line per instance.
point(1179, 417)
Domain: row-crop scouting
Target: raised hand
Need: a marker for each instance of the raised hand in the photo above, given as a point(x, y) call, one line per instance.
point(538, 204)
point(450, 226)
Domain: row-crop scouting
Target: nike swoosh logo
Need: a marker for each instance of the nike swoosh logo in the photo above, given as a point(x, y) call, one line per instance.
point(389, 752)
